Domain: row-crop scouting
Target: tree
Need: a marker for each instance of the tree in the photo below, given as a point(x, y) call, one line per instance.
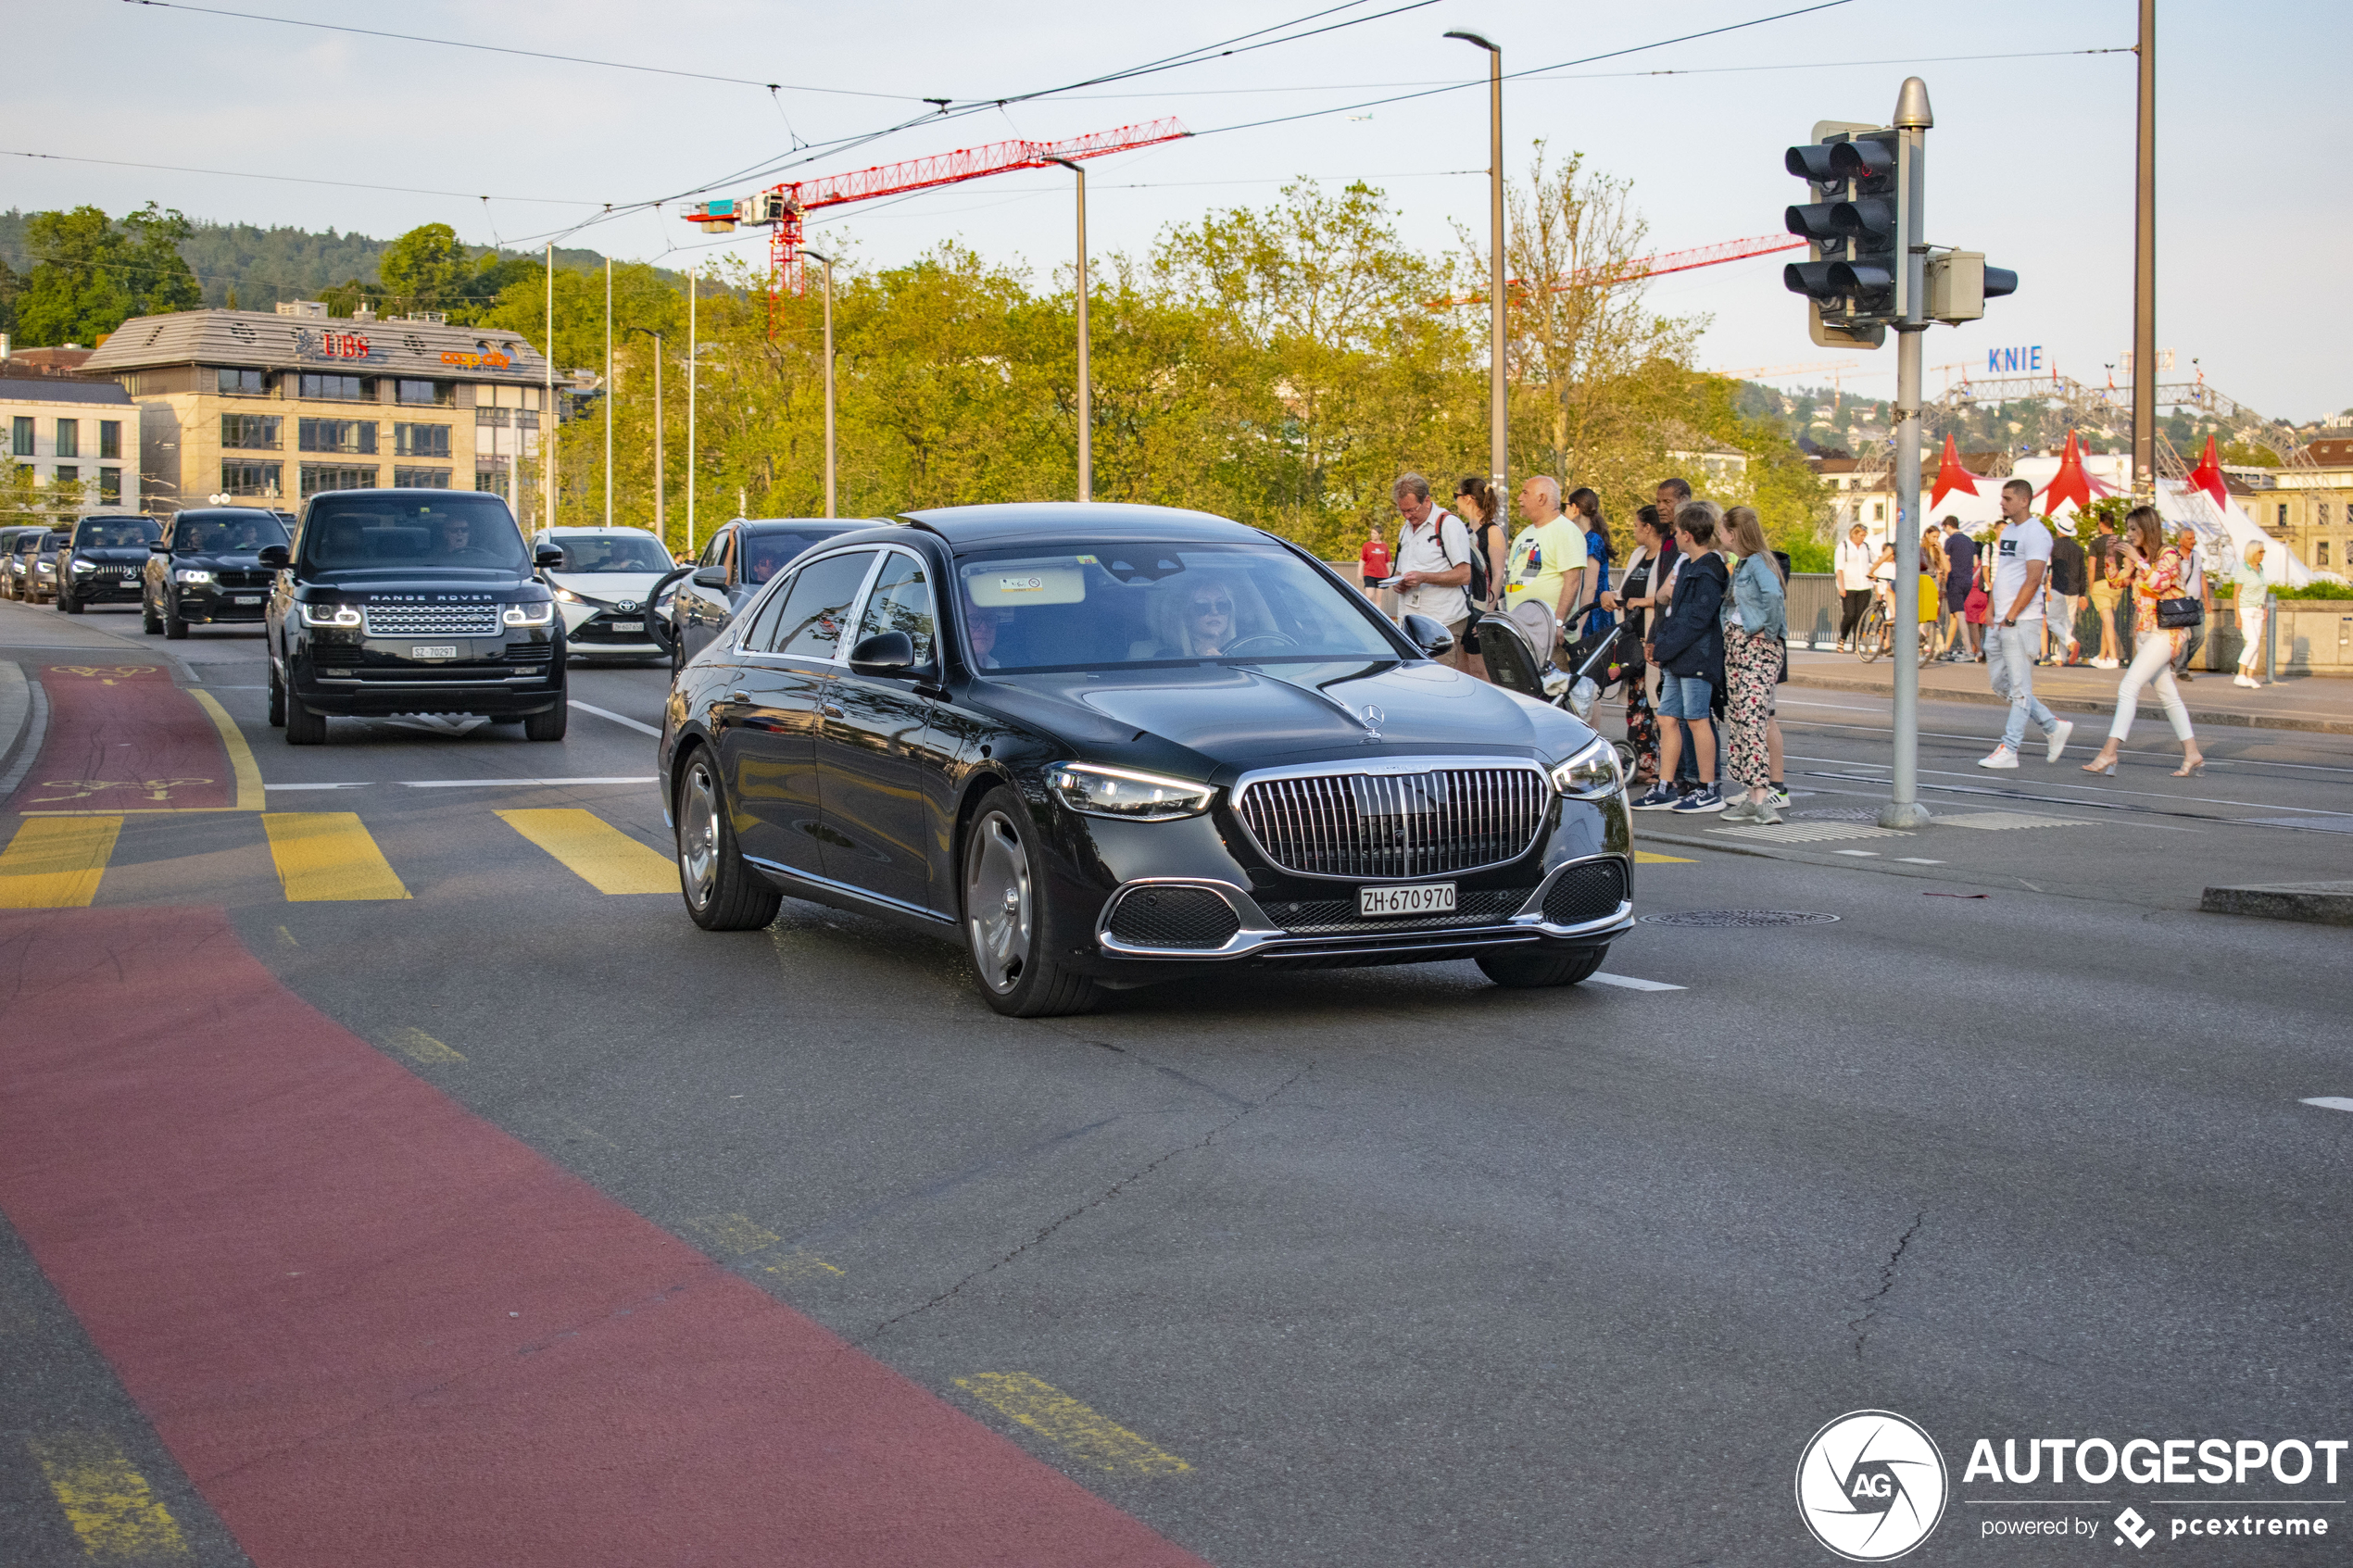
point(425, 268)
point(91, 275)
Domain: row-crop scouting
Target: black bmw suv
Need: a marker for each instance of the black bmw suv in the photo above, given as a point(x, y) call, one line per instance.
point(412, 601)
point(103, 561)
point(207, 570)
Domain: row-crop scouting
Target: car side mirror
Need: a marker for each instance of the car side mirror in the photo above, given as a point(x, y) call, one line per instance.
point(275, 557)
point(1428, 636)
point(885, 653)
point(711, 577)
point(547, 555)
point(158, 547)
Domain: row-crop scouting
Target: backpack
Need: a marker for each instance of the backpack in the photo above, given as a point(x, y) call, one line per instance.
point(1480, 584)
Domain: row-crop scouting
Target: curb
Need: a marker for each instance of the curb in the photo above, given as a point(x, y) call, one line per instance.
point(24, 720)
point(2083, 704)
point(2316, 903)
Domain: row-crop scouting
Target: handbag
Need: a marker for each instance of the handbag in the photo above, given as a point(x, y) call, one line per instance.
point(2173, 615)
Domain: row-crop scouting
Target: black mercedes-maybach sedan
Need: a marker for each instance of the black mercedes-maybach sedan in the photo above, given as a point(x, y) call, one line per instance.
point(1107, 744)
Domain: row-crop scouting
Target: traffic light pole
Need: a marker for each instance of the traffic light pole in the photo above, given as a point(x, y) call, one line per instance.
point(1912, 120)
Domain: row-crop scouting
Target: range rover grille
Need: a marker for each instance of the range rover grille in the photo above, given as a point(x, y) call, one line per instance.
point(421, 620)
point(1374, 825)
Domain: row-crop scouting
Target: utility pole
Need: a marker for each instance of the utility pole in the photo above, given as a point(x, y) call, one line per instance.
point(1912, 124)
point(608, 392)
point(547, 436)
point(1085, 391)
point(2145, 265)
point(1498, 391)
point(829, 373)
point(692, 293)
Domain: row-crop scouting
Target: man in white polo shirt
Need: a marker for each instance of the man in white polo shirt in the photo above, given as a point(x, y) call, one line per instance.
point(1433, 561)
point(2014, 626)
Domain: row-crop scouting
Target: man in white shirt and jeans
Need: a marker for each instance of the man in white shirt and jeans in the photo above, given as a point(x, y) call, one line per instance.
point(1855, 559)
point(1433, 561)
point(2014, 630)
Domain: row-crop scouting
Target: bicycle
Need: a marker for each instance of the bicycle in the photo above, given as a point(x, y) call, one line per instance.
point(1871, 637)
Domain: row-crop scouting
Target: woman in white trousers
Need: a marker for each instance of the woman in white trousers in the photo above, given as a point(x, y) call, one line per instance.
point(2254, 592)
point(2158, 573)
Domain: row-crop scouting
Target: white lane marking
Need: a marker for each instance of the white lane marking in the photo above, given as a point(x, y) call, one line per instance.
point(2095, 790)
point(618, 719)
point(2326, 1102)
point(1914, 861)
point(1863, 854)
point(361, 784)
point(1629, 983)
point(515, 784)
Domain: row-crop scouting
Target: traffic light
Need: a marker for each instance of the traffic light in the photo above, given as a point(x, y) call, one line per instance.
point(1959, 283)
point(1853, 276)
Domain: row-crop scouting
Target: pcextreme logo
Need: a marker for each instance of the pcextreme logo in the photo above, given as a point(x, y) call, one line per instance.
point(1872, 1486)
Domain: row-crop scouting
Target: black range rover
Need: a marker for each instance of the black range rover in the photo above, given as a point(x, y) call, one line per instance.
point(105, 560)
point(207, 570)
point(412, 601)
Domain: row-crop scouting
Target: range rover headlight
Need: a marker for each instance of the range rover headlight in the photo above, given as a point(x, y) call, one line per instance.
point(329, 614)
point(191, 575)
point(1123, 793)
point(537, 614)
point(1591, 775)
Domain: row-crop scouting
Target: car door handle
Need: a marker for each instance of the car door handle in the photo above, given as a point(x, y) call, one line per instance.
point(829, 710)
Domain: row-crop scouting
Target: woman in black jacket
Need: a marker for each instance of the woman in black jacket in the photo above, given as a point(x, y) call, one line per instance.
point(1687, 643)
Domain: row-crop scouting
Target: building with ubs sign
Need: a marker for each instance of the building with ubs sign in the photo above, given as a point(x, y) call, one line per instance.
point(270, 409)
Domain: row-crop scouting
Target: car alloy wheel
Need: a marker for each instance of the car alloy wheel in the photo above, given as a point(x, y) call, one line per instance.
point(723, 892)
point(698, 837)
point(999, 903)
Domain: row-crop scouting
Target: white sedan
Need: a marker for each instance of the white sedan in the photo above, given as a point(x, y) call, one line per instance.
point(602, 588)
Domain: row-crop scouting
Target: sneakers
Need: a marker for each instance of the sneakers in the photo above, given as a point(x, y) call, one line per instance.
point(1660, 799)
point(1763, 814)
point(2105, 664)
point(2058, 739)
point(2000, 757)
point(1703, 799)
point(2249, 682)
point(1738, 811)
point(1775, 795)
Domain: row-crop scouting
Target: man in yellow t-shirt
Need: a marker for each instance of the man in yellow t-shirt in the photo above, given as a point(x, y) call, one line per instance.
point(1547, 565)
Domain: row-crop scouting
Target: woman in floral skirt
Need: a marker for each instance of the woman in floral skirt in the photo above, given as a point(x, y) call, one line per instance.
point(1755, 630)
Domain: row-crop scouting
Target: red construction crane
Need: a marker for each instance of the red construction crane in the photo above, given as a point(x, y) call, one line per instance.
point(1654, 265)
point(782, 207)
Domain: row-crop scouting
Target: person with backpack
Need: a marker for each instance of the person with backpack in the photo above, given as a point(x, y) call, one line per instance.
point(1433, 561)
point(1475, 504)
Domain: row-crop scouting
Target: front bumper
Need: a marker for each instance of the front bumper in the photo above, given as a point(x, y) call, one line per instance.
point(100, 588)
point(366, 678)
point(595, 630)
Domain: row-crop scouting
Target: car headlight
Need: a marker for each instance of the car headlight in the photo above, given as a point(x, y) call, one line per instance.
point(190, 574)
point(566, 596)
point(85, 566)
point(537, 614)
point(1591, 775)
point(49, 567)
point(1120, 792)
point(329, 615)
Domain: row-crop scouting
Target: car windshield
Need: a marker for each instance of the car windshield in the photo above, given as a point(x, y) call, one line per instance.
point(455, 533)
point(610, 552)
point(1091, 606)
point(118, 533)
point(226, 534)
point(769, 550)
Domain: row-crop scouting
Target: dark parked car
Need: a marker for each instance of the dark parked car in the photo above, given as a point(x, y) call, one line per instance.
point(42, 564)
point(17, 546)
point(207, 570)
point(1107, 744)
point(738, 561)
point(412, 601)
point(105, 560)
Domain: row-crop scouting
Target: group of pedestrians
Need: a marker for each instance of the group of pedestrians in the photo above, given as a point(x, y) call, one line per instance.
point(1455, 565)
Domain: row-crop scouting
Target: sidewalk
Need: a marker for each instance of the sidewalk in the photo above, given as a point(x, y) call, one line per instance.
point(2313, 703)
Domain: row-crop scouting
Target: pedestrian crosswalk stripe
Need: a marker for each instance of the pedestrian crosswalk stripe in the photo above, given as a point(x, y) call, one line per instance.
point(55, 862)
point(605, 857)
point(110, 1506)
point(327, 857)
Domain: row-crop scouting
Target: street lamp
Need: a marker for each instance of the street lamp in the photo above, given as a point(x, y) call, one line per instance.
point(829, 373)
point(1498, 409)
point(1086, 398)
point(662, 526)
point(608, 392)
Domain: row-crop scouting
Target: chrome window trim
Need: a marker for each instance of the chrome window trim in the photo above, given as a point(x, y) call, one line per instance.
point(1386, 766)
point(742, 623)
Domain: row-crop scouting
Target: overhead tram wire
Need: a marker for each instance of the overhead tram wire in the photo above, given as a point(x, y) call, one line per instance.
point(290, 178)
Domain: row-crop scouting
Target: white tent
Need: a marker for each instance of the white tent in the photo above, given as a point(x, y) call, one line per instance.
point(2220, 528)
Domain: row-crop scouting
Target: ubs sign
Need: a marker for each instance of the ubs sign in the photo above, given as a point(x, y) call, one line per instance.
point(330, 346)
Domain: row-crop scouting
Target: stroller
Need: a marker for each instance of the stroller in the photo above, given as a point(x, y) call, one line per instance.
point(1514, 665)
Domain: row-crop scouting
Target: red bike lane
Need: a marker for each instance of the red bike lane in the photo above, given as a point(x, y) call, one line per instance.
point(123, 738)
point(376, 1330)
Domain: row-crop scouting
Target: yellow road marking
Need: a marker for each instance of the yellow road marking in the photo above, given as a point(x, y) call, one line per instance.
point(1644, 858)
point(1092, 1439)
point(605, 857)
point(248, 772)
point(733, 1233)
point(108, 1504)
point(801, 1265)
point(327, 857)
point(55, 864)
point(417, 1046)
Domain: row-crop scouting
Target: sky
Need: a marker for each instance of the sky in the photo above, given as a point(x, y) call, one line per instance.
point(2031, 160)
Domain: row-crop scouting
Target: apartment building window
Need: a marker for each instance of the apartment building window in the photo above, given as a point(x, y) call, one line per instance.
point(2323, 508)
point(251, 433)
point(433, 392)
point(420, 479)
point(338, 435)
point(335, 389)
point(234, 382)
point(527, 419)
point(109, 484)
point(20, 438)
point(250, 478)
point(2319, 551)
point(2283, 514)
point(485, 415)
point(336, 476)
point(111, 439)
point(491, 480)
point(421, 441)
point(69, 438)
point(66, 475)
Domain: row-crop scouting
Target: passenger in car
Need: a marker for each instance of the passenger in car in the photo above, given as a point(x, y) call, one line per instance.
point(1194, 617)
